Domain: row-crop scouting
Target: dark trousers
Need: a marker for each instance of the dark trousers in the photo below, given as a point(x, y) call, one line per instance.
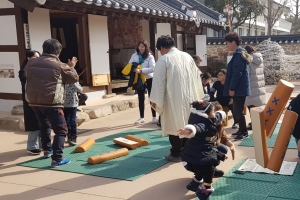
point(177, 145)
point(70, 117)
point(52, 118)
point(141, 96)
point(205, 172)
point(230, 106)
point(238, 112)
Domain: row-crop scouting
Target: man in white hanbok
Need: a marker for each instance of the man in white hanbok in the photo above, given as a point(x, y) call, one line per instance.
point(176, 84)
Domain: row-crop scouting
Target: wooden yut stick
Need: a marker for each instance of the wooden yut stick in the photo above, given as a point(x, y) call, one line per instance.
point(107, 156)
point(83, 147)
point(126, 143)
point(141, 141)
point(282, 141)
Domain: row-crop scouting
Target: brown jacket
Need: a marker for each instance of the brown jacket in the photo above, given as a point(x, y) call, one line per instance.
point(46, 77)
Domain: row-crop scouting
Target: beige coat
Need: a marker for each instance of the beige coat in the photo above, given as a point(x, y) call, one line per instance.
point(176, 84)
point(257, 82)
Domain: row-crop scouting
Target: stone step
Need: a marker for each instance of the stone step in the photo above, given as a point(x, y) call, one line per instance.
point(85, 114)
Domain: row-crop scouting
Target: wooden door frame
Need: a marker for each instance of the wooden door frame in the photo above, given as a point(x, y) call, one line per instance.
point(83, 46)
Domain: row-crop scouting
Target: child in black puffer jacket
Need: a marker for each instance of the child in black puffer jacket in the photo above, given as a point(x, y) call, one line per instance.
point(198, 154)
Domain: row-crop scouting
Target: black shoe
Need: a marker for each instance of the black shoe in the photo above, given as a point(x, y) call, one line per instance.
point(242, 136)
point(249, 127)
point(73, 141)
point(171, 158)
point(193, 185)
point(237, 133)
point(218, 173)
point(34, 151)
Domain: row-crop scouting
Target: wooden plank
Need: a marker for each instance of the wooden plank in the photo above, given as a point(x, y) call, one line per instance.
point(9, 48)
point(21, 18)
point(10, 96)
point(7, 11)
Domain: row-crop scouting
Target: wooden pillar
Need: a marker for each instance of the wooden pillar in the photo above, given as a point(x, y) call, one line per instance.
point(21, 18)
point(174, 32)
point(84, 49)
point(152, 29)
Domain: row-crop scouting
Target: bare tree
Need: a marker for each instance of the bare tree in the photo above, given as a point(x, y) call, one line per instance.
point(296, 4)
point(274, 11)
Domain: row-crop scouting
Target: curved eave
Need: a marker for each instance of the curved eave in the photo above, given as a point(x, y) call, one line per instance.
point(132, 8)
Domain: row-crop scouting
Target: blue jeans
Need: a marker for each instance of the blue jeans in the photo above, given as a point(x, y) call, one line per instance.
point(34, 140)
point(52, 118)
point(70, 117)
point(222, 148)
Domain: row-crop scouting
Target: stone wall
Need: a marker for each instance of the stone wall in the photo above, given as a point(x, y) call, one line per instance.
point(281, 60)
point(220, 51)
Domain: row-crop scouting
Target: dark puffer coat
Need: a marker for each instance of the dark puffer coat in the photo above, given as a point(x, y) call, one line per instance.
point(198, 149)
point(30, 120)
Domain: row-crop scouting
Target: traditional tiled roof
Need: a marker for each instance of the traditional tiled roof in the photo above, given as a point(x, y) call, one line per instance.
point(165, 8)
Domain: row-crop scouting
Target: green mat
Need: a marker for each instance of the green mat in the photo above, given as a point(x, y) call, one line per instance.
point(139, 162)
point(250, 186)
point(271, 141)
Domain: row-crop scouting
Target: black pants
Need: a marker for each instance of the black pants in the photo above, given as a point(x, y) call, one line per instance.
point(141, 96)
point(177, 145)
point(230, 106)
point(238, 112)
point(205, 172)
point(52, 118)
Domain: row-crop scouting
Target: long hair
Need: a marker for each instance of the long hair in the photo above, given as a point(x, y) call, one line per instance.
point(29, 54)
point(220, 126)
point(147, 50)
point(250, 49)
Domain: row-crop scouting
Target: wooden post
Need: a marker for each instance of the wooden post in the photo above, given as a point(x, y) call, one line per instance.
point(152, 29)
point(174, 32)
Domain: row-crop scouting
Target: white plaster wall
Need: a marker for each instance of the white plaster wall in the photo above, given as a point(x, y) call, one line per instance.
point(162, 29)
point(99, 44)
point(6, 4)
point(146, 31)
point(7, 105)
point(179, 28)
point(39, 28)
point(8, 30)
point(10, 60)
point(179, 42)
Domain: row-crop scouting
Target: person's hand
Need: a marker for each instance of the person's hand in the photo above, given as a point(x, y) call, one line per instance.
point(137, 71)
point(231, 93)
point(184, 131)
point(73, 62)
point(232, 149)
point(231, 102)
point(153, 105)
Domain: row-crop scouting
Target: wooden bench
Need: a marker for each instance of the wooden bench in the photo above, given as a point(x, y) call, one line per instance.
point(226, 110)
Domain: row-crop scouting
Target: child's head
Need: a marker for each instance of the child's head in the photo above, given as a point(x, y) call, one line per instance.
point(222, 74)
point(218, 107)
point(205, 107)
point(206, 77)
point(197, 60)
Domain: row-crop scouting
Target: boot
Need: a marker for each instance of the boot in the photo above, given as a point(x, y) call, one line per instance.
point(194, 185)
point(68, 138)
point(73, 141)
point(203, 193)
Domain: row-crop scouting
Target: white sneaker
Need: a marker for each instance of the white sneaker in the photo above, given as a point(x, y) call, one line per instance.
point(140, 121)
point(154, 120)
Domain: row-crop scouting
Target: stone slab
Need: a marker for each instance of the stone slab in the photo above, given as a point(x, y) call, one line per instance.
point(9, 123)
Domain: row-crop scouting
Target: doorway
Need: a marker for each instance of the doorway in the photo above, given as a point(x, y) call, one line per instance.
point(68, 29)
